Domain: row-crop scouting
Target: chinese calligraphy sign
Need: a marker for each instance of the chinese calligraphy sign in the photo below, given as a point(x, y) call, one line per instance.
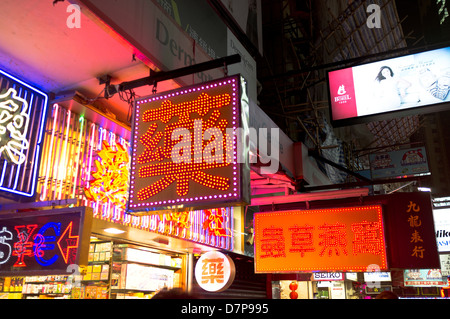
point(184, 148)
point(415, 223)
point(214, 271)
point(23, 112)
point(14, 121)
point(320, 240)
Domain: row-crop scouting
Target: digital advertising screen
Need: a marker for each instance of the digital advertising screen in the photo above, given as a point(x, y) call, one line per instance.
point(410, 84)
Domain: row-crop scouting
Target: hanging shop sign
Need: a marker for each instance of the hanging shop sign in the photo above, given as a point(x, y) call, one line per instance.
point(407, 162)
point(23, 110)
point(341, 239)
point(215, 271)
point(187, 149)
point(408, 84)
point(412, 237)
point(424, 278)
point(45, 242)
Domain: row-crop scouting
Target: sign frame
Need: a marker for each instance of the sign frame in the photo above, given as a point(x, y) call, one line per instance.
point(163, 194)
point(48, 221)
point(305, 236)
point(27, 139)
point(222, 264)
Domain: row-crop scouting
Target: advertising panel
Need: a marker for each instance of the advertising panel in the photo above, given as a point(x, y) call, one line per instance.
point(405, 162)
point(186, 148)
point(442, 226)
point(424, 278)
point(44, 242)
point(410, 84)
point(337, 239)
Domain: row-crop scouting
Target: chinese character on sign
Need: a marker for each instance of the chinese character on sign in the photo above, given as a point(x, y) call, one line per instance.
point(333, 239)
point(415, 222)
point(14, 121)
point(413, 206)
point(212, 271)
point(110, 183)
point(181, 219)
point(272, 244)
point(214, 222)
point(418, 251)
point(190, 155)
point(415, 237)
point(302, 239)
point(367, 238)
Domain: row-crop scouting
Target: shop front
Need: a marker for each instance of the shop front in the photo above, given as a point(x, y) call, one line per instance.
point(81, 162)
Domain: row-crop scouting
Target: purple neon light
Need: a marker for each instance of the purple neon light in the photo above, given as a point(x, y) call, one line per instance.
point(200, 88)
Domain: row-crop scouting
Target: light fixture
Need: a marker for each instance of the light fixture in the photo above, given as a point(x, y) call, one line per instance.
point(424, 189)
point(113, 230)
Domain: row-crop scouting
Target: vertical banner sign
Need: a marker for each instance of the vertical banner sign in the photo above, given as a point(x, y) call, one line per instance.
point(337, 239)
point(44, 242)
point(23, 110)
point(186, 148)
point(412, 238)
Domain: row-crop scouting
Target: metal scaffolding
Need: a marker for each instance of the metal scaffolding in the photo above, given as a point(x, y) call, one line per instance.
point(318, 36)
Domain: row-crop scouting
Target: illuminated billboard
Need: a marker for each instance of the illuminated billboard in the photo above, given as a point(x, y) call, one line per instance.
point(45, 242)
point(407, 84)
point(185, 148)
point(337, 239)
point(23, 110)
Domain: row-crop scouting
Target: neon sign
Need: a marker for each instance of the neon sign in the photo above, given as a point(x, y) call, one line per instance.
point(110, 182)
point(42, 243)
point(14, 122)
point(23, 111)
point(320, 240)
point(184, 149)
point(213, 227)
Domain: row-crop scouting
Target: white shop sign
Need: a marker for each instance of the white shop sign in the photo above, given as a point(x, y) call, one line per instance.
point(327, 276)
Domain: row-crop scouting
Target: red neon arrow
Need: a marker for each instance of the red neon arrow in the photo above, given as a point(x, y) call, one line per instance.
point(68, 242)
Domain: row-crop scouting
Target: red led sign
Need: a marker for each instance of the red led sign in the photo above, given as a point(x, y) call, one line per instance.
point(320, 240)
point(44, 242)
point(184, 149)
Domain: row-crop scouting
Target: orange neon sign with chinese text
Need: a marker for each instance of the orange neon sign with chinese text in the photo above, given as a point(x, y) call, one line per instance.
point(346, 239)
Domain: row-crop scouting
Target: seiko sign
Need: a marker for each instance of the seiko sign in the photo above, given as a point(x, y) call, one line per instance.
point(327, 276)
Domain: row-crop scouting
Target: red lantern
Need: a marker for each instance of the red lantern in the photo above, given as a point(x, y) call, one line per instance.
point(293, 285)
